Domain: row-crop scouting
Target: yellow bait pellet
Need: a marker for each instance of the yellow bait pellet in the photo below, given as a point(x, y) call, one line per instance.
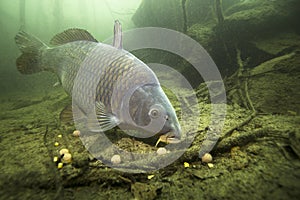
point(56, 144)
point(60, 136)
point(55, 159)
point(150, 176)
point(186, 165)
point(210, 165)
point(60, 165)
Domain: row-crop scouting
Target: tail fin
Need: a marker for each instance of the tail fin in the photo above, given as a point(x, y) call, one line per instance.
point(28, 62)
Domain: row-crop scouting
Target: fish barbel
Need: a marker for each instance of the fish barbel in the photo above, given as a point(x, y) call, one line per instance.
point(127, 93)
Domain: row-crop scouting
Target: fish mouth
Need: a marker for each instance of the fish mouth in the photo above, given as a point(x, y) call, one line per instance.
point(168, 138)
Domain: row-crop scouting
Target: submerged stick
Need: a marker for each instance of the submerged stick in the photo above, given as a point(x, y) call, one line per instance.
point(219, 11)
point(22, 4)
point(241, 140)
point(184, 16)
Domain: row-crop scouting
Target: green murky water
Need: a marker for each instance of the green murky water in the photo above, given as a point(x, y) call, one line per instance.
point(255, 45)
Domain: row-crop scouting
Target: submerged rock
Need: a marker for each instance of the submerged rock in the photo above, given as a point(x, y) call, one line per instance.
point(167, 14)
point(251, 19)
point(274, 86)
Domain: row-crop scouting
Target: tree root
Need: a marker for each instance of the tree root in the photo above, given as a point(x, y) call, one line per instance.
point(243, 123)
point(241, 85)
point(183, 4)
point(242, 139)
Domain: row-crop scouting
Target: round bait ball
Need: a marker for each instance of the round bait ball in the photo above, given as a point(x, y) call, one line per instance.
point(67, 158)
point(161, 151)
point(63, 151)
point(76, 133)
point(116, 159)
point(207, 158)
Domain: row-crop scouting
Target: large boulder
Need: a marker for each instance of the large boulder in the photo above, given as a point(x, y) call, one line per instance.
point(274, 85)
point(252, 19)
point(167, 14)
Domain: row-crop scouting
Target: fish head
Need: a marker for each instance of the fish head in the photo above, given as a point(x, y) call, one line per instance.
point(152, 112)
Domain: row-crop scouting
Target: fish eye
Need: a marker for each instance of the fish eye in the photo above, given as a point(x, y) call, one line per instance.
point(154, 113)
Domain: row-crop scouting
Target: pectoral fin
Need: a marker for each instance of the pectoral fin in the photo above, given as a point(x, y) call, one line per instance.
point(105, 121)
point(56, 84)
point(66, 115)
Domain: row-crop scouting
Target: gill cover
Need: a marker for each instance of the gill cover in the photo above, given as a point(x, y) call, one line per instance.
point(156, 113)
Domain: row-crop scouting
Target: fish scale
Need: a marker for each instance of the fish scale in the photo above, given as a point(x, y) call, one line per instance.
point(119, 71)
point(116, 69)
point(115, 74)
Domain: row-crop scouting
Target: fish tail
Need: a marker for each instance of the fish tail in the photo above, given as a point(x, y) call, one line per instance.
point(28, 62)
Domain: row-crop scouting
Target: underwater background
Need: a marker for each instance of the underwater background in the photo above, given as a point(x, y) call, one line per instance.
point(256, 47)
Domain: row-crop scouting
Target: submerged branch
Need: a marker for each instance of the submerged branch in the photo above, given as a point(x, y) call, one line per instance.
point(241, 139)
point(244, 97)
point(183, 2)
point(238, 126)
point(219, 11)
point(22, 4)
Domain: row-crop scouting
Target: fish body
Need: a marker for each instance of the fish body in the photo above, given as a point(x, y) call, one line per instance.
point(123, 89)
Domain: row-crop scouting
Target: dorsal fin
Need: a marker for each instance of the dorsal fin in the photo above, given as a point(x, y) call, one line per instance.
point(71, 35)
point(118, 35)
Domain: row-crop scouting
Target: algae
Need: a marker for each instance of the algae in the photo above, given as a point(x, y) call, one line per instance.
point(253, 167)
